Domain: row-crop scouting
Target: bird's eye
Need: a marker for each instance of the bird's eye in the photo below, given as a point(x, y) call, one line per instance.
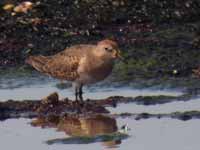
point(108, 49)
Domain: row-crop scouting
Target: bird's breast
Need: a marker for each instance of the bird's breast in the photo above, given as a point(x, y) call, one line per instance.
point(94, 71)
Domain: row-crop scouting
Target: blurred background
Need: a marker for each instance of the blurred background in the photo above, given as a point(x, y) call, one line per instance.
point(159, 38)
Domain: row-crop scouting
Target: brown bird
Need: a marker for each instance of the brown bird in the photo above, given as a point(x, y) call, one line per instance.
point(82, 64)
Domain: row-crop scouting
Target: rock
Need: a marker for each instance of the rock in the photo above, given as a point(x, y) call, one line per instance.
point(51, 99)
point(8, 7)
point(23, 7)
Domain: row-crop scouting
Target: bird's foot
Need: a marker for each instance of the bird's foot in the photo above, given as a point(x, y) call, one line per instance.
point(79, 101)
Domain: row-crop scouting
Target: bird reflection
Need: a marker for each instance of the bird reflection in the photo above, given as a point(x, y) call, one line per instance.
point(88, 126)
point(83, 130)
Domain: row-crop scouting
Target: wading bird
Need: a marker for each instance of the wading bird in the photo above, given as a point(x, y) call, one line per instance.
point(82, 64)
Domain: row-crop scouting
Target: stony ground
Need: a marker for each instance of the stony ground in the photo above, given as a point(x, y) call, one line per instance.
point(157, 43)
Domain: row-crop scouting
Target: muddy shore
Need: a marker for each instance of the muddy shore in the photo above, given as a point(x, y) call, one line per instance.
point(51, 105)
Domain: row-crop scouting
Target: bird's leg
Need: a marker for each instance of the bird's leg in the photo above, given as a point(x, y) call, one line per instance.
point(81, 92)
point(76, 92)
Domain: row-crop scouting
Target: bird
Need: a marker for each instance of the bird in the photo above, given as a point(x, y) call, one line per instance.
point(124, 128)
point(81, 64)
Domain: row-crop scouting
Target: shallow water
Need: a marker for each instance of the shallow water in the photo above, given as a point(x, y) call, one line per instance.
point(158, 109)
point(151, 134)
point(37, 91)
point(163, 134)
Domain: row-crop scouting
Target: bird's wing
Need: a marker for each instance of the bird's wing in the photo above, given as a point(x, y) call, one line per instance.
point(64, 65)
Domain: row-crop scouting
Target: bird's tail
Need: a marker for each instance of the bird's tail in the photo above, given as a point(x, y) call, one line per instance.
point(37, 62)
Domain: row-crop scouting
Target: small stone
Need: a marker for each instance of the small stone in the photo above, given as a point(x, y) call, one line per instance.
point(23, 7)
point(8, 7)
point(187, 5)
point(178, 13)
point(13, 14)
point(175, 71)
point(30, 45)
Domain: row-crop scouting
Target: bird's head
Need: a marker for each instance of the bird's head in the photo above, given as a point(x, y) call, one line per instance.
point(108, 49)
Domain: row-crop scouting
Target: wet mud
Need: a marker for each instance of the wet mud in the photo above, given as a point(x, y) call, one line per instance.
point(52, 105)
point(184, 116)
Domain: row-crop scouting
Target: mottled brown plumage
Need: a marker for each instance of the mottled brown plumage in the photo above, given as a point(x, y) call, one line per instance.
point(82, 64)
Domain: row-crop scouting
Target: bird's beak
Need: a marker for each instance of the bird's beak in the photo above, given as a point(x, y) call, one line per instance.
point(120, 57)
